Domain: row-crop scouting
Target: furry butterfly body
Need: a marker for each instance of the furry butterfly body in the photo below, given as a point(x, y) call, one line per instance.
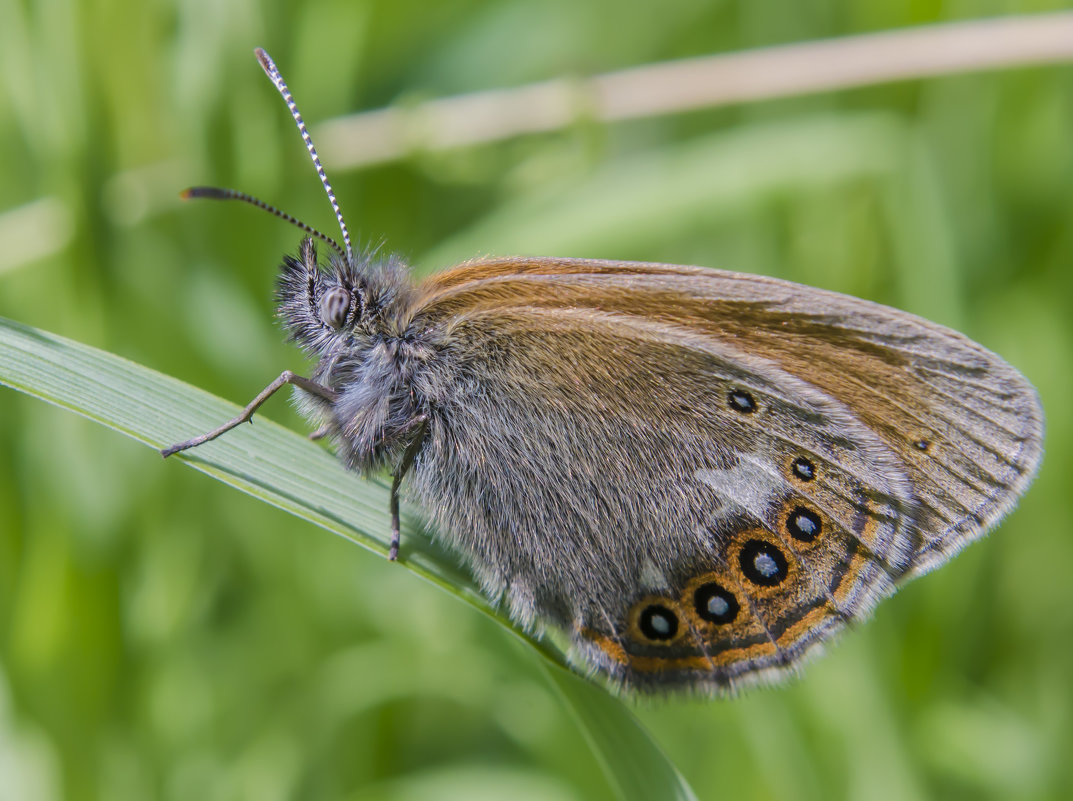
point(700, 475)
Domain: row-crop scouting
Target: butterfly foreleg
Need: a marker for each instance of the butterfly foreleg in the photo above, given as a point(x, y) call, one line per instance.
point(286, 377)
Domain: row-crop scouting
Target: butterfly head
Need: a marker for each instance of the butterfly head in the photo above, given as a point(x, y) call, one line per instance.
point(331, 304)
point(319, 303)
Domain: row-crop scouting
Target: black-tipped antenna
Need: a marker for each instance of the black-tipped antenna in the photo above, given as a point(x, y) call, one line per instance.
point(216, 193)
point(269, 66)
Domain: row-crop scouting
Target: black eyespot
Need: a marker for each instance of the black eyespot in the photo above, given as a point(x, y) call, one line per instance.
point(715, 604)
point(335, 307)
point(763, 563)
point(804, 469)
point(741, 401)
point(922, 445)
point(657, 622)
point(804, 524)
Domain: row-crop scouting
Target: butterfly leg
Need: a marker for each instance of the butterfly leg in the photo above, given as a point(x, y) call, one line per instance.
point(286, 377)
point(320, 433)
point(396, 479)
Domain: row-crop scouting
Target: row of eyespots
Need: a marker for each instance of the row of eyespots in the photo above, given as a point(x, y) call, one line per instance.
point(712, 601)
point(762, 563)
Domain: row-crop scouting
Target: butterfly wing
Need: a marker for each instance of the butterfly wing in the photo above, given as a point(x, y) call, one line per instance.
point(703, 474)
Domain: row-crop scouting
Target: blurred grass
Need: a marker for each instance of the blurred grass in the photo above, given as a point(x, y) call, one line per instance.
point(161, 636)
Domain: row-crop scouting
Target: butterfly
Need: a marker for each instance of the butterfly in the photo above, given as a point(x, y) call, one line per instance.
point(699, 475)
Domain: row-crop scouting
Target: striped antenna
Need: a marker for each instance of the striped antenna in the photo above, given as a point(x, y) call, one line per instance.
point(216, 193)
point(269, 66)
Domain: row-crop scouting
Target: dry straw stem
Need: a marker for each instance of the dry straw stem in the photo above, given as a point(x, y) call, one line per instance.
point(706, 82)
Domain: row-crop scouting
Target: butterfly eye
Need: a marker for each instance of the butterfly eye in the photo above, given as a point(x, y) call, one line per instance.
point(335, 307)
point(657, 622)
point(763, 564)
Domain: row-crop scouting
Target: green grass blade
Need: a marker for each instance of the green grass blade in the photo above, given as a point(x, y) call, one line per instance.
point(636, 766)
point(264, 460)
point(286, 470)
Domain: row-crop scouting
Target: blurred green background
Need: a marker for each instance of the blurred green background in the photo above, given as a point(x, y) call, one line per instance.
point(162, 636)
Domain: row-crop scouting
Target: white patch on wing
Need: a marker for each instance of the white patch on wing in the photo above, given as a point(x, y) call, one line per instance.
point(652, 578)
point(751, 485)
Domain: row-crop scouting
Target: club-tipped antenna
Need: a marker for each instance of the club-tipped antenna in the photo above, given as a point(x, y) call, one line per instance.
point(269, 66)
point(216, 193)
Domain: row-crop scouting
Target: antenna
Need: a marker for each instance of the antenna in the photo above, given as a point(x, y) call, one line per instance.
point(269, 66)
point(216, 193)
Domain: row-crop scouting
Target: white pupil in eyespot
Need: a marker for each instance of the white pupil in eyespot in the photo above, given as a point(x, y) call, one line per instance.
point(661, 624)
point(718, 606)
point(765, 565)
point(335, 306)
